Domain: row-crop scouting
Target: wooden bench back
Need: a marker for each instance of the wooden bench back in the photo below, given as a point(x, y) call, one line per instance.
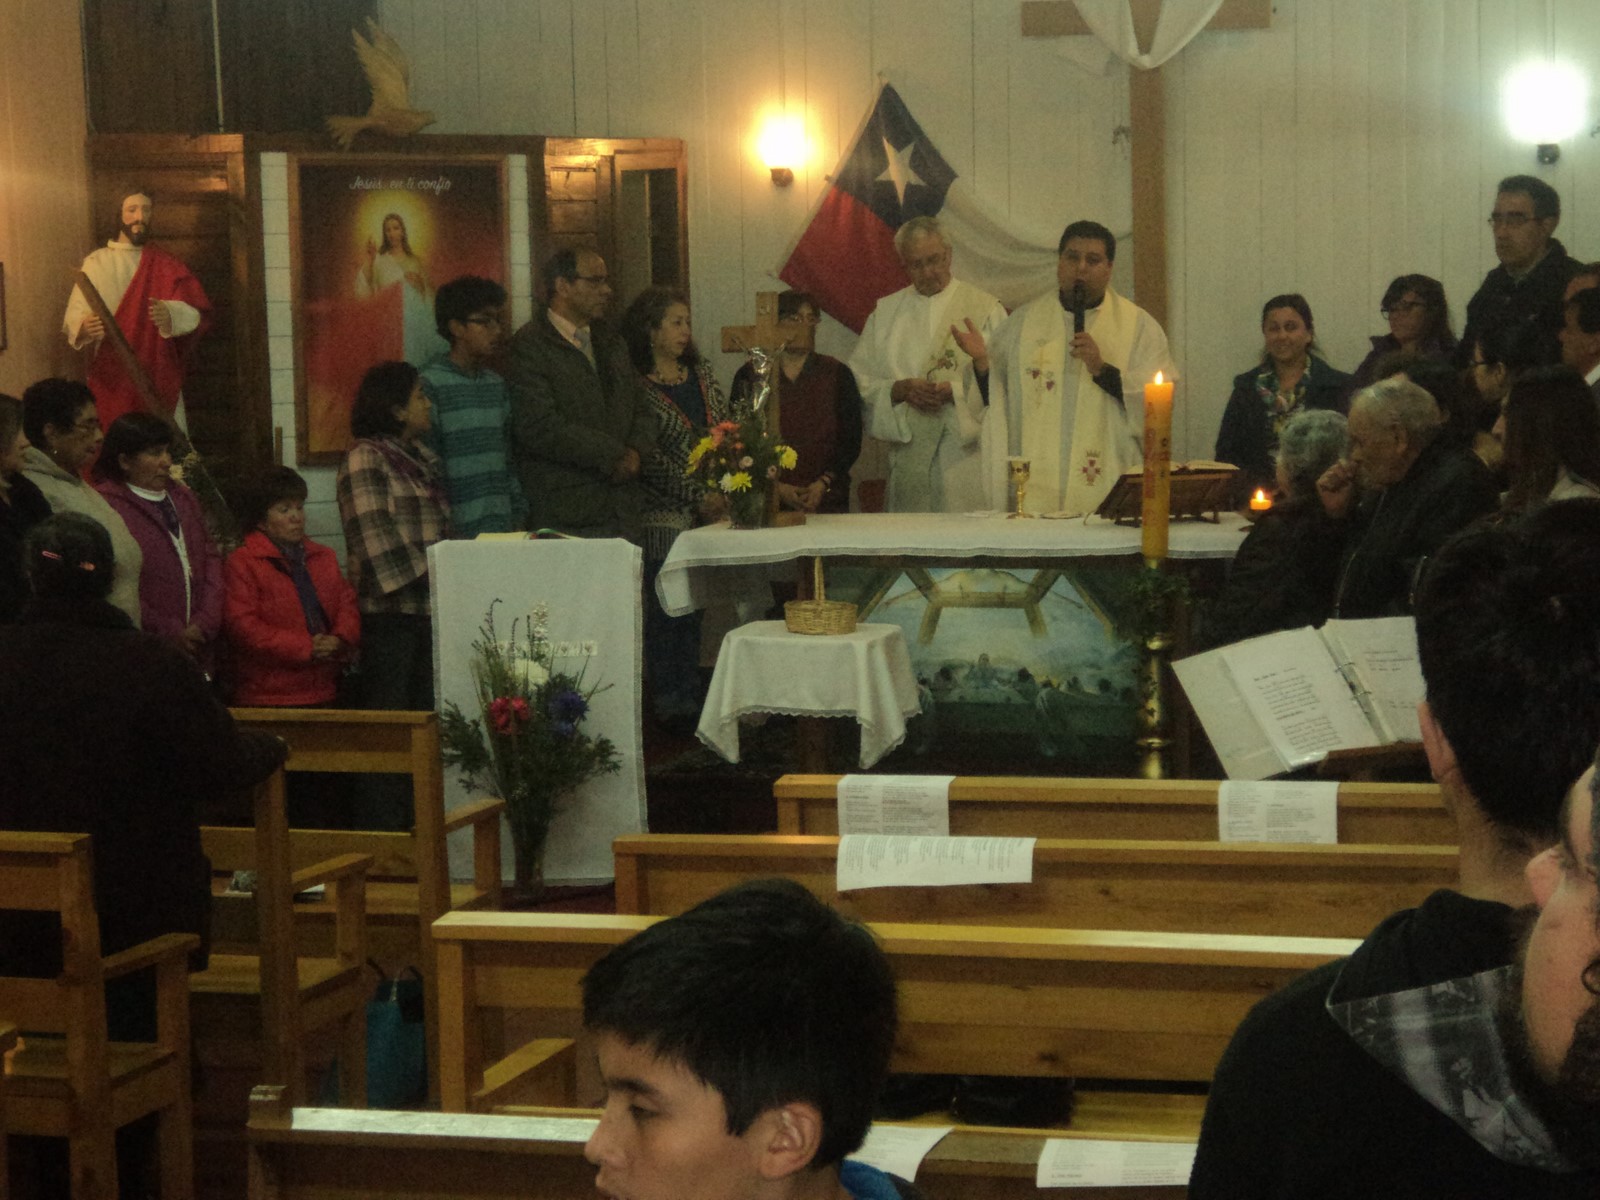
point(1390, 814)
point(973, 999)
point(1197, 887)
point(360, 742)
point(54, 873)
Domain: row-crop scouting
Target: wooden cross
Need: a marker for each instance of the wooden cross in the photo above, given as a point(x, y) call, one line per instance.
point(767, 335)
point(1147, 117)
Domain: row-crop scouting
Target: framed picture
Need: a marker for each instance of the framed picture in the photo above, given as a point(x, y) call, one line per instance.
point(372, 238)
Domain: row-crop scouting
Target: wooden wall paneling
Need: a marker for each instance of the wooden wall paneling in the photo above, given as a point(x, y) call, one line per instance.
point(1353, 121)
point(991, 112)
point(1422, 121)
point(290, 63)
point(455, 32)
point(903, 35)
point(251, 400)
point(1314, 258)
point(632, 71)
point(591, 89)
point(150, 67)
point(508, 88)
point(554, 66)
point(1575, 40)
point(1461, 204)
point(1391, 189)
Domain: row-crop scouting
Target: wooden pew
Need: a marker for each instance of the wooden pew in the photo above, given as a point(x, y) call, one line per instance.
point(67, 1080)
point(973, 999)
point(323, 1154)
point(298, 994)
point(8, 1043)
point(1387, 814)
point(409, 886)
point(1195, 887)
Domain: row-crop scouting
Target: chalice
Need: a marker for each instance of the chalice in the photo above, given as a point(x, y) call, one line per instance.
point(1019, 477)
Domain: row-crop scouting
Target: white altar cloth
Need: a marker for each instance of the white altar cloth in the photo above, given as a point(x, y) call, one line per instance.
point(715, 562)
point(763, 668)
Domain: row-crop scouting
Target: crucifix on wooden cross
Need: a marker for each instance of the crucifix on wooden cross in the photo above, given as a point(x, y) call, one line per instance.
point(1147, 124)
point(765, 337)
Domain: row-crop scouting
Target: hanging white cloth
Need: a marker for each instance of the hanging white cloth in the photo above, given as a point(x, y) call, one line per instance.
point(1111, 22)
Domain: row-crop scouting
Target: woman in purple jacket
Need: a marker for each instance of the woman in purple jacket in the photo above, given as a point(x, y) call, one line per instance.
point(180, 584)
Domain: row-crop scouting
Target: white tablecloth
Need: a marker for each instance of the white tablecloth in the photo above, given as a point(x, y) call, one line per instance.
point(716, 562)
point(763, 668)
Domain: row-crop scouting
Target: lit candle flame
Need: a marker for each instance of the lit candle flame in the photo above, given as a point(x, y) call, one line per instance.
point(1158, 378)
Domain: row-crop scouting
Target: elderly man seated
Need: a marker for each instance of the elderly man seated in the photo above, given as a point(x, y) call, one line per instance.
point(1395, 497)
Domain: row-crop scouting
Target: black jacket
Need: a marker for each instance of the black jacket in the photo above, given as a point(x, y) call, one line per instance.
point(1298, 1110)
point(1535, 300)
point(1281, 578)
point(1245, 436)
point(1383, 545)
point(20, 510)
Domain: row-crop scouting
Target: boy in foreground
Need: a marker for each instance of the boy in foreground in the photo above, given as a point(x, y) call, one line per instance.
point(742, 1046)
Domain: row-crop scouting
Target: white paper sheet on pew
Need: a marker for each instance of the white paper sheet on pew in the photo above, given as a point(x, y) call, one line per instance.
point(1073, 1162)
point(900, 1149)
point(896, 804)
point(432, 1124)
point(1278, 812)
point(869, 860)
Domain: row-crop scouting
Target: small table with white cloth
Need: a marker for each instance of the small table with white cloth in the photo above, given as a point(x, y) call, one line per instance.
point(763, 668)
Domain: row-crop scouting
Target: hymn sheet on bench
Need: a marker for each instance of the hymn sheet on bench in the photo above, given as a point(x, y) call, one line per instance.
point(1279, 811)
point(895, 804)
point(1087, 1162)
point(900, 1149)
point(878, 860)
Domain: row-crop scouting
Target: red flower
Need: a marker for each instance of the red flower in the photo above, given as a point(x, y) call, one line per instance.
point(507, 712)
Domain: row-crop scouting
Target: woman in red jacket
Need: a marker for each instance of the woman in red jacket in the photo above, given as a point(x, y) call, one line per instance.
point(289, 616)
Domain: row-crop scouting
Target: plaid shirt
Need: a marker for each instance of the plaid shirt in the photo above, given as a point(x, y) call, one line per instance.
point(391, 516)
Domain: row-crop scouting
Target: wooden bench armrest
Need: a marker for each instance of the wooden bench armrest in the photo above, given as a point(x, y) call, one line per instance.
point(331, 870)
point(475, 813)
point(148, 954)
point(543, 1071)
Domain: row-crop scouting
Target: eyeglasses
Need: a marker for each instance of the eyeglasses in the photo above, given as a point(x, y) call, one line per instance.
point(484, 321)
point(1400, 306)
point(597, 280)
point(800, 319)
point(1510, 220)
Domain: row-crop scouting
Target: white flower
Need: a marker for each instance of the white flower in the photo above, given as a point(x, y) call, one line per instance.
point(534, 673)
point(726, 482)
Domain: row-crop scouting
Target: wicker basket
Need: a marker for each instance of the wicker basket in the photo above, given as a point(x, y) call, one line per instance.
point(820, 616)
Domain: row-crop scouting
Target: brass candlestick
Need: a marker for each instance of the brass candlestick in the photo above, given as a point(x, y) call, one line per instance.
point(1019, 476)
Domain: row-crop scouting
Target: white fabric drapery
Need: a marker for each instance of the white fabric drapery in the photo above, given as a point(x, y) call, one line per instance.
point(1112, 24)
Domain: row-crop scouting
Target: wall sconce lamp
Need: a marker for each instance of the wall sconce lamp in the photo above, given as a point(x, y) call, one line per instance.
point(1544, 103)
point(782, 145)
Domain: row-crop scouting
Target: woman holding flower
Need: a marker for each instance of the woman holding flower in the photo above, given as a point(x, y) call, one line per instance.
point(685, 399)
point(819, 412)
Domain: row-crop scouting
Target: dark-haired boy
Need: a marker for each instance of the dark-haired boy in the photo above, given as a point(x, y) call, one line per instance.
point(471, 409)
point(742, 1046)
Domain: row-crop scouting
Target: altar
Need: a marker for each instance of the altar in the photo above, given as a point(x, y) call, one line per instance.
point(1019, 631)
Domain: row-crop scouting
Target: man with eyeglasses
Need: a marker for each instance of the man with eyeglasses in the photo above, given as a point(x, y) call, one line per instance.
point(919, 398)
point(581, 421)
point(1527, 287)
point(471, 409)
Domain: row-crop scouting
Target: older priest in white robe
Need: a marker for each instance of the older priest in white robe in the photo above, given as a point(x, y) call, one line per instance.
point(1071, 403)
point(919, 394)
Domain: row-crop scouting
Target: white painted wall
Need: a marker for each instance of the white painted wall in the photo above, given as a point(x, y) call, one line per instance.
point(1353, 141)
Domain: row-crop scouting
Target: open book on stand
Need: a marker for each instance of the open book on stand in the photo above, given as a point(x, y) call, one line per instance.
point(1279, 702)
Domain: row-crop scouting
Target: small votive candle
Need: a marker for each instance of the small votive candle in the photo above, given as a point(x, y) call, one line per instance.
point(1260, 502)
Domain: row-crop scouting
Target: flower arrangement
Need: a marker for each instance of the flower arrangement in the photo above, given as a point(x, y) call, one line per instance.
point(526, 745)
point(740, 461)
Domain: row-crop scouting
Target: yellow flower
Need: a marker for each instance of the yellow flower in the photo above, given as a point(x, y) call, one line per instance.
point(739, 481)
point(787, 457)
point(701, 449)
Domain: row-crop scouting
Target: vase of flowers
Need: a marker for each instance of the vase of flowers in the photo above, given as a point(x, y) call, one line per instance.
point(526, 743)
point(740, 461)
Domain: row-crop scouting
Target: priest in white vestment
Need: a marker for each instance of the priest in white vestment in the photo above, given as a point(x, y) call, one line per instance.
point(1071, 403)
point(920, 395)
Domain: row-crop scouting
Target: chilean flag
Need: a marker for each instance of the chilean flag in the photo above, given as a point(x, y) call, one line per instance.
point(845, 256)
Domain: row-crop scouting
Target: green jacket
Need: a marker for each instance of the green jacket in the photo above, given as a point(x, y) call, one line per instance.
point(570, 424)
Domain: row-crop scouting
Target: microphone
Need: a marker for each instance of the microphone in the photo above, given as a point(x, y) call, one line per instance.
point(1078, 301)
